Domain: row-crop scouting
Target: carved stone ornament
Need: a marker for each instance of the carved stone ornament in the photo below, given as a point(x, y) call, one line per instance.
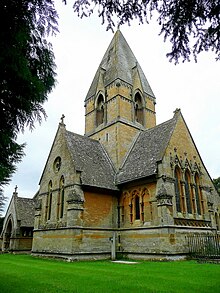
point(163, 198)
point(75, 195)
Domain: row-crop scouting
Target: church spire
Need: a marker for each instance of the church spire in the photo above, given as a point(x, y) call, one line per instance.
point(120, 101)
point(118, 63)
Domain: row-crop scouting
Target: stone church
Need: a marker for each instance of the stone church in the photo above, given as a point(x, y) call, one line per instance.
point(127, 186)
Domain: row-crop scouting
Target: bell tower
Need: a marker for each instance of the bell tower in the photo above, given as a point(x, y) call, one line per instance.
point(120, 102)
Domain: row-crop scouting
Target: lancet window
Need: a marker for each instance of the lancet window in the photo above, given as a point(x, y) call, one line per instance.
point(61, 197)
point(177, 189)
point(188, 191)
point(199, 197)
point(100, 110)
point(49, 200)
point(138, 109)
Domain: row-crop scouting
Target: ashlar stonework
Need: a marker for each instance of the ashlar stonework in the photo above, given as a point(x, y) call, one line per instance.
point(127, 186)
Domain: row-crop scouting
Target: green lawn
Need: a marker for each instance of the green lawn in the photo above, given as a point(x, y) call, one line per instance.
point(23, 273)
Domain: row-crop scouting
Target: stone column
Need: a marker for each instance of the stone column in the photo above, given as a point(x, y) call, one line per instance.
point(75, 208)
point(165, 206)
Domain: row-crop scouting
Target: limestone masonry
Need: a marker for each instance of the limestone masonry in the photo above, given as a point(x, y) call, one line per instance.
point(127, 186)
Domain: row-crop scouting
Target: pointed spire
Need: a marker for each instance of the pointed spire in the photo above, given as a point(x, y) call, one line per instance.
point(118, 63)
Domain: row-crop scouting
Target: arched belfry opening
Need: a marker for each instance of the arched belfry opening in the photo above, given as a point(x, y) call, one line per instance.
point(138, 109)
point(100, 110)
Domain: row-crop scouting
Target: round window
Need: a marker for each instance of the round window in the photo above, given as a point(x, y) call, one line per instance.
point(57, 164)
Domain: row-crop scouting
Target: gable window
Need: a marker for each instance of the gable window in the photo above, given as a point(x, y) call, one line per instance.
point(49, 200)
point(62, 197)
point(199, 198)
point(188, 192)
point(138, 109)
point(177, 189)
point(100, 110)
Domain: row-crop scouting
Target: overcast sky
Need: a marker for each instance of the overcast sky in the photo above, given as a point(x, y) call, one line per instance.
point(79, 48)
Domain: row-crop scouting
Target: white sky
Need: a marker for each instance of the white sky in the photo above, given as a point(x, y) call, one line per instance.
point(79, 48)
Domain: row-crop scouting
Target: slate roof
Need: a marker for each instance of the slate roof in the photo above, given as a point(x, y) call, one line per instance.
point(92, 160)
point(148, 149)
point(25, 211)
point(118, 62)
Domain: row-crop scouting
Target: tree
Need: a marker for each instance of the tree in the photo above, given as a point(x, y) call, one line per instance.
point(27, 73)
point(192, 26)
point(3, 200)
point(217, 184)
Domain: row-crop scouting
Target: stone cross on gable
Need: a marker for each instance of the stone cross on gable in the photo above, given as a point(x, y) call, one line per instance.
point(62, 118)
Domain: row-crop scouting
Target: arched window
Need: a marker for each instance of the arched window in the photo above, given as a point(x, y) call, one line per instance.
point(177, 189)
point(217, 221)
point(198, 194)
point(100, 110)
point(49, 199)
point(199, 197)
point(188, 192)
point(138, 109)
point(61, 197)
point(137, 207)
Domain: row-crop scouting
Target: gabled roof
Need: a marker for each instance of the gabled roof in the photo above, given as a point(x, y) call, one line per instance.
point(25, 211)
point(148, 149)
point(119, 62)
point(91, 160)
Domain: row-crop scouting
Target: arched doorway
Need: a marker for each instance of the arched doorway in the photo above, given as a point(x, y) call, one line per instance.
point(7, 236)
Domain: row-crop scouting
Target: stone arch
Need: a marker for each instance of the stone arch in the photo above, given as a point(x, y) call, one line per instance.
point(100, 110)
point(138, 108)
point(8, 234)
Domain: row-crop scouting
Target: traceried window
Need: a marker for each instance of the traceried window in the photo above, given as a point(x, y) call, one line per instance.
point(177, 189)
point(100, 110)
point(188, 192)
point(49, 200)
point(199, 197)
point(138, 109)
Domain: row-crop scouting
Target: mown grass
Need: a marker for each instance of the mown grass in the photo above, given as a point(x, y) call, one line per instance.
point(23, 273)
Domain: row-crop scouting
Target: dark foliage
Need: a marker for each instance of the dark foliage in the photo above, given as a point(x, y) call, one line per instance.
point(217, 184)
point(3, 201)
point(26, 72)
point(191, 26)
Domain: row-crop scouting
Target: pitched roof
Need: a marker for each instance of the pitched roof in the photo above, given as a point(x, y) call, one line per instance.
point(148, 149)
point(92, 160)
point(25, 211)
point(118, 62)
